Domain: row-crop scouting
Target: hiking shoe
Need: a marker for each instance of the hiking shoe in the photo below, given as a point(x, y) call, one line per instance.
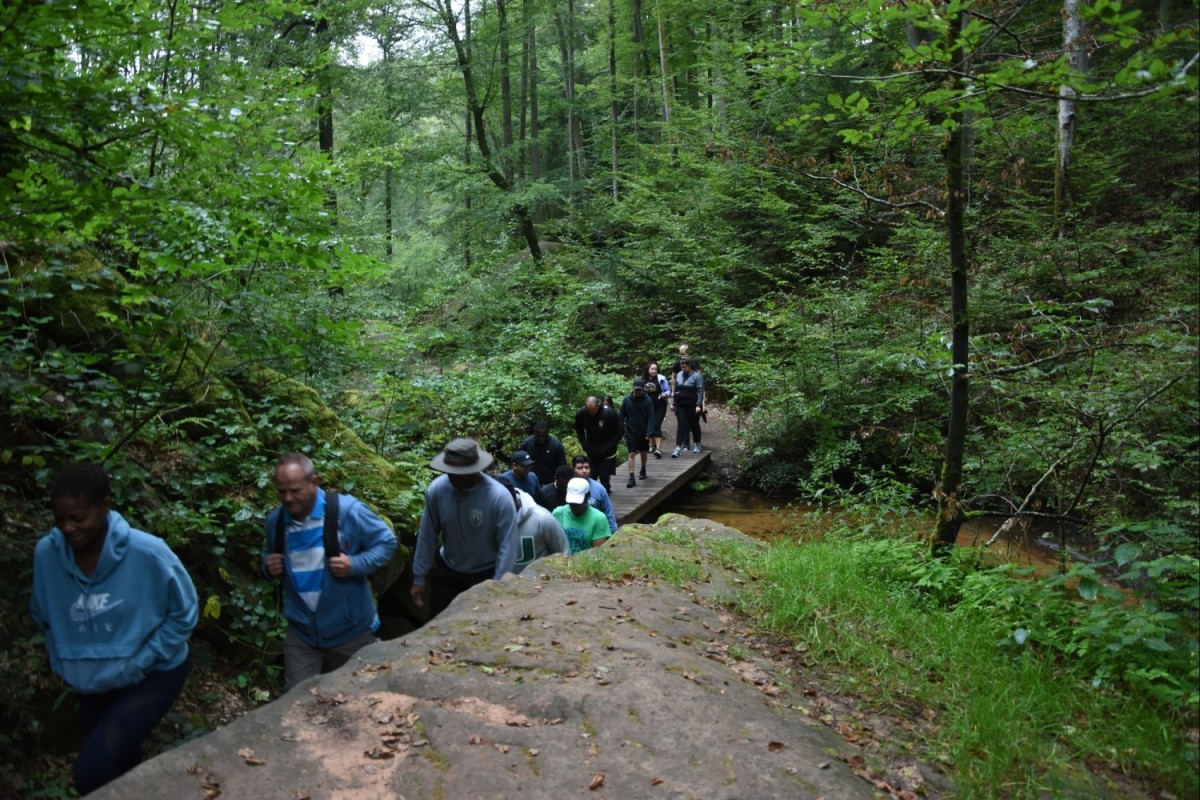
point(632, 482)
point(696, 449)
point(676, 453)
point(642, 474)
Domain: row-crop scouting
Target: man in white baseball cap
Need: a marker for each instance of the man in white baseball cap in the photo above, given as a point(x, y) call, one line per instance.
point(585, 526)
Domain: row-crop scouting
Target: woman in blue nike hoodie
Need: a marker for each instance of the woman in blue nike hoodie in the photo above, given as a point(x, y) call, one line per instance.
point(117, 608)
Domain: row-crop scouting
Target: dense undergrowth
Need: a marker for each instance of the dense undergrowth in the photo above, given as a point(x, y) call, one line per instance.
point(1032, 681)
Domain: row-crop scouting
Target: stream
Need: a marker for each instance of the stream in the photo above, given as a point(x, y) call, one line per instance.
point(768, 518)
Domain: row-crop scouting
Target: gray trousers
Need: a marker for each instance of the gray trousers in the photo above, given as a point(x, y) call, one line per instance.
point(301, 660)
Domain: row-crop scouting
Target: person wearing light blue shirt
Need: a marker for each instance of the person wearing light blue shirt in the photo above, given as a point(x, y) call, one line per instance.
point(116, 608)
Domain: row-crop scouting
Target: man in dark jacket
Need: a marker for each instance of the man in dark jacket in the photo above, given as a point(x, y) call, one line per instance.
point(546, 451)
point(554, 494)
point(637, 412)
point(599, 430)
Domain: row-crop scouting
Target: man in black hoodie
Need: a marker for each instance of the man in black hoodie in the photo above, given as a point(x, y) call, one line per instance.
point(599, 430)
point(637, 412)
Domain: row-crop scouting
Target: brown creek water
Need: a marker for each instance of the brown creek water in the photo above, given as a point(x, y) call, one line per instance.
point(767, 518)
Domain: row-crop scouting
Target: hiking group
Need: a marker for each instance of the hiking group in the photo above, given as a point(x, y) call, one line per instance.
point(117, 607)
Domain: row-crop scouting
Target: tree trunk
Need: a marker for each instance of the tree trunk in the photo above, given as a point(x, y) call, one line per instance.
point(662, 66)
point(641, 66)
point(523, 103)
point(385, 47)
point(467, 138)
point(1077, 65)
point(535, 153)
point(506, 127)
point(476, 115)
point(325, 109)
point(566, 48)
point(951, 512)
point(388, 223)
point(612, 91)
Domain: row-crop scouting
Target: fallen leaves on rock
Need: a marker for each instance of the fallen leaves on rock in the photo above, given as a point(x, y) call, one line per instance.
point(248, 756)
point(209, 785)
point(859, 766)
point(380, 752)
point(847, 731)
point(597, 781)
point(775, 747)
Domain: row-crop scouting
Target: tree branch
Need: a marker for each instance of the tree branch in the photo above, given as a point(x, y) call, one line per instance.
point(867, 195)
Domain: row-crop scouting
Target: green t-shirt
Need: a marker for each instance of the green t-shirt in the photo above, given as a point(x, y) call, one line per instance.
point(585, 530)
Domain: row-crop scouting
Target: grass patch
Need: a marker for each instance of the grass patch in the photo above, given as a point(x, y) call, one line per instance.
point(938, 638)
point(597, 564)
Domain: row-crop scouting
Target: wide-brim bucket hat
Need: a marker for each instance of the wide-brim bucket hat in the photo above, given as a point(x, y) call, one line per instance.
point(462, 457)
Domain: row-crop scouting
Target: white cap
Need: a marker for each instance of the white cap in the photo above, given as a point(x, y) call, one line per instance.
point(577, 490)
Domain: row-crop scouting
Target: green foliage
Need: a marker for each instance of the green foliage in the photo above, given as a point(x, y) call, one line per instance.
point(1009, 661)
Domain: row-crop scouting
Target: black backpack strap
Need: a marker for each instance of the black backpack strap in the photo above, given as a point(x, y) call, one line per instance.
point(277, 546)
point(330, 530)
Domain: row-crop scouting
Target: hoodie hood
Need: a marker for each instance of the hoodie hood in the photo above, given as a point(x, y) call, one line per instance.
point(116, 544)
point(527, 504)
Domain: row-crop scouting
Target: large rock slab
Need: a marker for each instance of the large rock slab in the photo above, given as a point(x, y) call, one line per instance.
point(586, 677)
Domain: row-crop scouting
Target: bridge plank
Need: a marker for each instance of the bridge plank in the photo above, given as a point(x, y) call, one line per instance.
point(664, 476)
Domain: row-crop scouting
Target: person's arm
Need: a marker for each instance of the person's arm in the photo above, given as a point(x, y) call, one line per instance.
point(604, 504)
point(558, 455)
point(506, 535)
point(599, 535)
point(181, 613)
point(368, 537)
point(427, 535)
point(699, 390)
point(618, 433)
point(581, 429)
point(272, 565)
point(36, 609)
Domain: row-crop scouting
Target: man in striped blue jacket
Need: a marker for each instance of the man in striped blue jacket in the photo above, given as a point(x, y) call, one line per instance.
point(327, 599)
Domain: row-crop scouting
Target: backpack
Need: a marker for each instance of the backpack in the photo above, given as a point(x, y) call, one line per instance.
point(328, 531)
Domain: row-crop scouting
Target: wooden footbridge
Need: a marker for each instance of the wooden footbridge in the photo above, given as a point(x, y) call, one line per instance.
point(664, 476)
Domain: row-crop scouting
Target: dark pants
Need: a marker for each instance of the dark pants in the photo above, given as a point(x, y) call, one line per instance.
point(115, 724)
point(660, 413)
point(445, 584)
point(603, 468)
point(688, 423)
